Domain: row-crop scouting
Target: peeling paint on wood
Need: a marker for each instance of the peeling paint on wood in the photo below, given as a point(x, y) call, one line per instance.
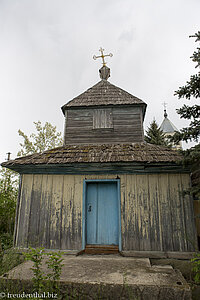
point(153, 210)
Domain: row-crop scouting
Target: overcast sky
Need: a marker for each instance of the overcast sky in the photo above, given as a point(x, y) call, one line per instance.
point(46, 50)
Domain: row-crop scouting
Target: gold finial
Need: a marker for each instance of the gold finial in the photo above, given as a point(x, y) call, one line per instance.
point(102, 56)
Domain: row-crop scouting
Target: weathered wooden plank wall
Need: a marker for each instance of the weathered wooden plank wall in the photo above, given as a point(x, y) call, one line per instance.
point(154, 214)
point(195, 176)
point(127, 126)
point(22, 227)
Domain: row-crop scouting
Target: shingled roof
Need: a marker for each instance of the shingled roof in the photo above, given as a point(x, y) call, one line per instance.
point(98, 153)
point(103, 93)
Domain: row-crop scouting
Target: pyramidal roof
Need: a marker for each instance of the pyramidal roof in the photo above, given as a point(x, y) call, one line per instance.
point(103, 93)
point(167, 126)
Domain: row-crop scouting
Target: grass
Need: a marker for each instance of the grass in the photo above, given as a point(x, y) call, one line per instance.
point(9, 259)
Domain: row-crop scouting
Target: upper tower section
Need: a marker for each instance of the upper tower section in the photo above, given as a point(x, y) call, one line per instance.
point(104, 113)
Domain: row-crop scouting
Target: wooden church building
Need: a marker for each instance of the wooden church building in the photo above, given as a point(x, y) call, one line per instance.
point(105, 188)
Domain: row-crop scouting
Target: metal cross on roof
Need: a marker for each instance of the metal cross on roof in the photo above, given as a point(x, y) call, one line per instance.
point(102, 56)
point(165, 105)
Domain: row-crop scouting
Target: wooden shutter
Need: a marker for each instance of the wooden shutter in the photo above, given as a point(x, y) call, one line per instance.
point(102, 118)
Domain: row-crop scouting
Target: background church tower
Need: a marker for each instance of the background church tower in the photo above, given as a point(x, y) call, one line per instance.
point(169, 129)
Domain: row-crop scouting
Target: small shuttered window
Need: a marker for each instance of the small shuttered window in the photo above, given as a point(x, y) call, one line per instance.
point(102, 118)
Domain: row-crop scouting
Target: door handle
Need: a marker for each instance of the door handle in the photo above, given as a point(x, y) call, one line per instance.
point(89, 208)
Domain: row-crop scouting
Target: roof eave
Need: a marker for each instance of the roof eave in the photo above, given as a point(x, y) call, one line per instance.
point(100, 168)
point(65, 107)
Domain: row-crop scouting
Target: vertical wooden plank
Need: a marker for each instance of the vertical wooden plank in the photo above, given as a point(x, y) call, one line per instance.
point(132, 234)
point(110, 118)
point(178, 226)
point(102, 118)
point(56, 211)
point(142, 125)
point(17, 210)
point(65, 127)
point(136, 220)
point(95, 122)
point(119, 214)
point(154, 215)
point(197, 215)
point(34, 217)
point(68, 199)
point(45, 204)
point(123, 212)
point(77, 211)
point(165, 212)
point(190, 229)
point(143, 212)
point(126, 224)
point(24, 211)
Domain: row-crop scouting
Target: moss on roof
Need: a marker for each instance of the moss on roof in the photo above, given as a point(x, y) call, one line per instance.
point(97, 153)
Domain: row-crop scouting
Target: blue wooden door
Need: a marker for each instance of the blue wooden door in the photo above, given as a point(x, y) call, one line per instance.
point(102, 216)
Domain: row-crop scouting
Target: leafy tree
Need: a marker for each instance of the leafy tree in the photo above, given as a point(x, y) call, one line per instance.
point(8, 199)
point(45, 138)
point(192, 113)
point(154, 135)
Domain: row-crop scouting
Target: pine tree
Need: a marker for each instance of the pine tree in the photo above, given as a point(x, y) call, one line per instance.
point(154, 135)
point(192, 113)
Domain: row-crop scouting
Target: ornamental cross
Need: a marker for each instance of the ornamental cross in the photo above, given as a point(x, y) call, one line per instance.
point(165, 105)
point(102, 56)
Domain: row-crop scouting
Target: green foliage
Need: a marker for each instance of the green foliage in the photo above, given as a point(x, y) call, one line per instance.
point(55, 265)
point(192, 113)
point(6, 241)
point(42, 281)
point(154, 135)
point(196, 267)
point(8, 199)
point(191, 156)
point(192, 132)
point(10, 259)
point(192, 87)
point(36, 256)
point(45, 138)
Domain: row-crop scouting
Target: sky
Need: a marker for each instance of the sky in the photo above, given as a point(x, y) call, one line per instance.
point(47, 48)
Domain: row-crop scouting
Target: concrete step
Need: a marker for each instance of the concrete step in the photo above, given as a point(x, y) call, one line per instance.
point(110, 277)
